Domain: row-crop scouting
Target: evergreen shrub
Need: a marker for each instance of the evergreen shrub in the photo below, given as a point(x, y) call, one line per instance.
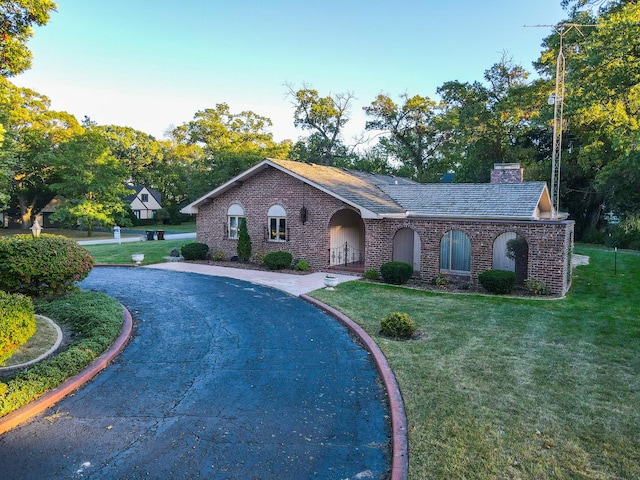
point(278, 260)
point(396, 273)
point(498, 281)
point(195, 251)
point(397, 325)
point(48, 265)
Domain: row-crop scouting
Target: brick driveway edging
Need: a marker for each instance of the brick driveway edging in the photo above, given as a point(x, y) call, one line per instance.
point(400, 448)
point(24, 413)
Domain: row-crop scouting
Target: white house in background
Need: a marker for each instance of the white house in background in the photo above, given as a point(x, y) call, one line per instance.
point(144, 201)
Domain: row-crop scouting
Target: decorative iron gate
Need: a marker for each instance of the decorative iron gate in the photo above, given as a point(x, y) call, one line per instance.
point(346, 255)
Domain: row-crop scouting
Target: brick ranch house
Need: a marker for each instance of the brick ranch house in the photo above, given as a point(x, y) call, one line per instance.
point(338, 219)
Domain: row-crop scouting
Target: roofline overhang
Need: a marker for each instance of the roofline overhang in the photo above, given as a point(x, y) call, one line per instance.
point(475, 217)
point(192, 208)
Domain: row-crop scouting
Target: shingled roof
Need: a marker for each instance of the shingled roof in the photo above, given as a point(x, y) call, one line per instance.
point(379, 196)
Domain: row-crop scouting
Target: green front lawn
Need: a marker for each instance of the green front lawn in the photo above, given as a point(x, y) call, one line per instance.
point(154, 251)
point(517, 388)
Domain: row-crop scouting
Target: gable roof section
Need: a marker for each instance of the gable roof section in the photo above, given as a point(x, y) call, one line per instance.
point(136, 189)
point(379, 196)
point(520, 201)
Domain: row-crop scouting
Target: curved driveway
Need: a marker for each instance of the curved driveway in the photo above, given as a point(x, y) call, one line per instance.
point(223, 379)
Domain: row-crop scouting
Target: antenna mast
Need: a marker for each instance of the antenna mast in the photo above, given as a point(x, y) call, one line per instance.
point(557, 100)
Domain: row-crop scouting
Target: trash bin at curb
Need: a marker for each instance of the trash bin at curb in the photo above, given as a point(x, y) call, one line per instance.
point(150, 234)
point(160, 234)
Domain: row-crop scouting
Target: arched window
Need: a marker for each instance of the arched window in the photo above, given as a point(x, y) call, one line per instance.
point(455, 253)
point(235, 214)
point(277, 223)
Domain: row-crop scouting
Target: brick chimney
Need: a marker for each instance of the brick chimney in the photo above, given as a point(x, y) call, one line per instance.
point(507, 173)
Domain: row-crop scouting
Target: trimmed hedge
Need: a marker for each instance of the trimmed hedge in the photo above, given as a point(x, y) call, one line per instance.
point(48, 265)
point(17, 323)
point(498, 281)
point(396, 273)
point(195, 251)
point(397, 325)
point(278, 260)
point(94, 321)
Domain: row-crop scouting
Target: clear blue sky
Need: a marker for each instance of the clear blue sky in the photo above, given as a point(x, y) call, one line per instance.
point(150, 64)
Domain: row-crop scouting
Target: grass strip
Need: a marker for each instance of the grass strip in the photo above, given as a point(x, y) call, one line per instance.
point(119, 254)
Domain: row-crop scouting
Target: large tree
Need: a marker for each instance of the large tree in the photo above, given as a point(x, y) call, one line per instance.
point(91, 180)
point(32, 133)
point(412, 135)
point(230, 142)
point(16, 20)
point(325, 118)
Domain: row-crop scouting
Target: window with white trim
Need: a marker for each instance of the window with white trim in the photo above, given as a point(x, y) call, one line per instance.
point(277, 224)
point(455, 253)
point(235, 214)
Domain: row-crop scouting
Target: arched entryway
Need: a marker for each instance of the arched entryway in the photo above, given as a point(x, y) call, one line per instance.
point(516, 260)
point(346, 239)
point(406, 247)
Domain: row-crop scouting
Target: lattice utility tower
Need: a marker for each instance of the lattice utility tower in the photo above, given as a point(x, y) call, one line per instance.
point(557, 100)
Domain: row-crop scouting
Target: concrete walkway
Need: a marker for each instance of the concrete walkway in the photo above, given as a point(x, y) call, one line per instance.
point(287, 282)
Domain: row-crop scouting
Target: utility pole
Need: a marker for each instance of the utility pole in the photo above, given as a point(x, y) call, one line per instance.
point(557, 100)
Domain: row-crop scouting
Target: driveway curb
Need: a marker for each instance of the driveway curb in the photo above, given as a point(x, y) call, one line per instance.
point(400, 462)
point(24, 413)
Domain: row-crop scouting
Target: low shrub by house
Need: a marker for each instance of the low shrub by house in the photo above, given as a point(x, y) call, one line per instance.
point(397, 325)
point(301, 265)
point(396, 273)
point(17, 323)
point(278, 260)
point(371, 274)
point(498, 281)
point(48, 265)
point(195, 251)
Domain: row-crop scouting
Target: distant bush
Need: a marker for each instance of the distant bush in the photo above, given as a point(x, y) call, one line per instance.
point(396, 273)
point(17, 323)
point(301, 265)
point(195, 251)
point(278, 260)
point(371, 274)
point(498, 281)
point(397, 325)
point(48, 265)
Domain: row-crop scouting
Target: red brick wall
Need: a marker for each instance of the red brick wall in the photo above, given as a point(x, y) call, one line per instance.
point(309, 241)
point(550, 242)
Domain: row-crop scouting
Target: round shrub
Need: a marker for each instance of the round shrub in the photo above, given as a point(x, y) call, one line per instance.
point(301, 265)
point(397, 325)
point(498, 281)
point(396, 273)
point(195, 251)
point(371, 274)
point(17, 323)
point(48, 265)
point(278, 260)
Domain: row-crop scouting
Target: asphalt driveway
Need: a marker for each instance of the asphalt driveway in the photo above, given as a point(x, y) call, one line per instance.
point(223, 379)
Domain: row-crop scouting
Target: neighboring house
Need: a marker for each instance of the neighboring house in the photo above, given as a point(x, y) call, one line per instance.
point(144, 202)
point(45, 214)
point(338, 218)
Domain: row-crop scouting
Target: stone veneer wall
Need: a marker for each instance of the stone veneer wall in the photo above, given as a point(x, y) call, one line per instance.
point(550, 246)
point(309, 241)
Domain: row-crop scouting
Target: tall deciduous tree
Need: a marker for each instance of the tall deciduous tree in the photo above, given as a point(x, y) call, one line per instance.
point(91, 180)
point(325, 118)
point(16, 20)
point(412, 135)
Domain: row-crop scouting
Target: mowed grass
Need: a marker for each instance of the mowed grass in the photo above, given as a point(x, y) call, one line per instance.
point(506, 388)
point(154, 251)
